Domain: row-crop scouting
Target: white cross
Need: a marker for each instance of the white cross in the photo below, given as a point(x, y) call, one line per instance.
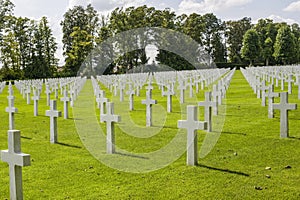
point(122, 88)
point(169, 93)
point(130, 92)
point(191, 87)
point(149, 102)
point(48, 92)
point(284, 107)
point(101, 100)
point(216, 97)
point(208, 104)
point(27, 92)
point(263, 88)
point(192, 125)
point(16, 160)
point(182, 88)
point(271, 95)
point(290, 81)
point(66, 100)
point(110, 119)
point(149, 87)
point(53, 114)
point(35, 99)
point(11, 110)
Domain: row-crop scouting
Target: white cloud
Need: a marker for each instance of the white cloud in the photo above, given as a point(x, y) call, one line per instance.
point(73, 3)
point(108, 5)
point(293, 7)
point(205, 6)
point(280, 19)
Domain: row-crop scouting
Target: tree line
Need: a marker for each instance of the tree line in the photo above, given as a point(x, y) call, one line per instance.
point(27, 47)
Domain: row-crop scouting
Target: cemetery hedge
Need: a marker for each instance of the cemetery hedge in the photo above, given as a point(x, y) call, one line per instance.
point(234, 169)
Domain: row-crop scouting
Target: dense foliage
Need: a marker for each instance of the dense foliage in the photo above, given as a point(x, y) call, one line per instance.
point(27, 47)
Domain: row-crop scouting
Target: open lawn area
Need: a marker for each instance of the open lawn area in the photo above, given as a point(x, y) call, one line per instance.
point(249, 161)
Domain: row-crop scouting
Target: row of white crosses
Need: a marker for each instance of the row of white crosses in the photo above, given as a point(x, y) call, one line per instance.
point(192, 124)
point(108, 117)
point(13, 156)
point(257, 78)
point(53, 113)
point(2, 86)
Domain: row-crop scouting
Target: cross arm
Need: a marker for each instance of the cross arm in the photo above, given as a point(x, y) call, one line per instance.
point(19, 159)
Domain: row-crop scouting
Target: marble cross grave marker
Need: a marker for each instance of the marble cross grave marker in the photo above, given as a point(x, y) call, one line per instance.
point(192, 125)
point(271, 95)
point(11, 110)
point(169, 93)
point(182, 88)
point(27, 92)
point(149, 102)
point(35, 99)
point(263, 89)
point(53, 114)
point(110, 118)
point(48, 93)
point(131, 93)
point(208, 104)
point(284, 107)
point(66, 100)
point(16, 161)
point(101, 100)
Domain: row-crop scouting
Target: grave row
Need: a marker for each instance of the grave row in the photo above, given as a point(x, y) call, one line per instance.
point(220, 80)
point(13, 156)
point(263, 82)
point(16, 159)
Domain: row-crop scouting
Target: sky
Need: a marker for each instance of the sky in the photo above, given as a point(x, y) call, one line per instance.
point(278, 10)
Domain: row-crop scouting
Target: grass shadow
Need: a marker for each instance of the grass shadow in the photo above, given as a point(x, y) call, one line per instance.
point(224, 170)
point(131, 155)
point(294, 138)
point(26, 138)
point(69, 145)
point(234, 133)
point(170, 127)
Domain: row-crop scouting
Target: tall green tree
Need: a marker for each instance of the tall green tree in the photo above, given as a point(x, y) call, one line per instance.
point(235, 30)
point(6, 10)
point(296, 31)
point(212, 38)
point(80, 49)
point(285, 47)
point(44, 62)
point(267, 50)
point(267, 31)
point(82, 21)
point(251, 46)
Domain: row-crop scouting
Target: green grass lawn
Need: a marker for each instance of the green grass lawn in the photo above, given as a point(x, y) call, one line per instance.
point(234, 169)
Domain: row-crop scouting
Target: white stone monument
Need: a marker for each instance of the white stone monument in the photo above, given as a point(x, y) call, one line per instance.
point(11, 110)
point(16, 160)
point(66, 100)
point(149, 102)
point(192, 125)
point(53, 114)
point(284, 107)
point(208, 104)
point(110, 118)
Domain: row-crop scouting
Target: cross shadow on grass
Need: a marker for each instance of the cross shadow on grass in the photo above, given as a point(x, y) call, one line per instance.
point(131, 155)
point(26, 138)
point(68, 145)
point(170, 127)
point(294, 138)
point(234, 133)
point(223, 170)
